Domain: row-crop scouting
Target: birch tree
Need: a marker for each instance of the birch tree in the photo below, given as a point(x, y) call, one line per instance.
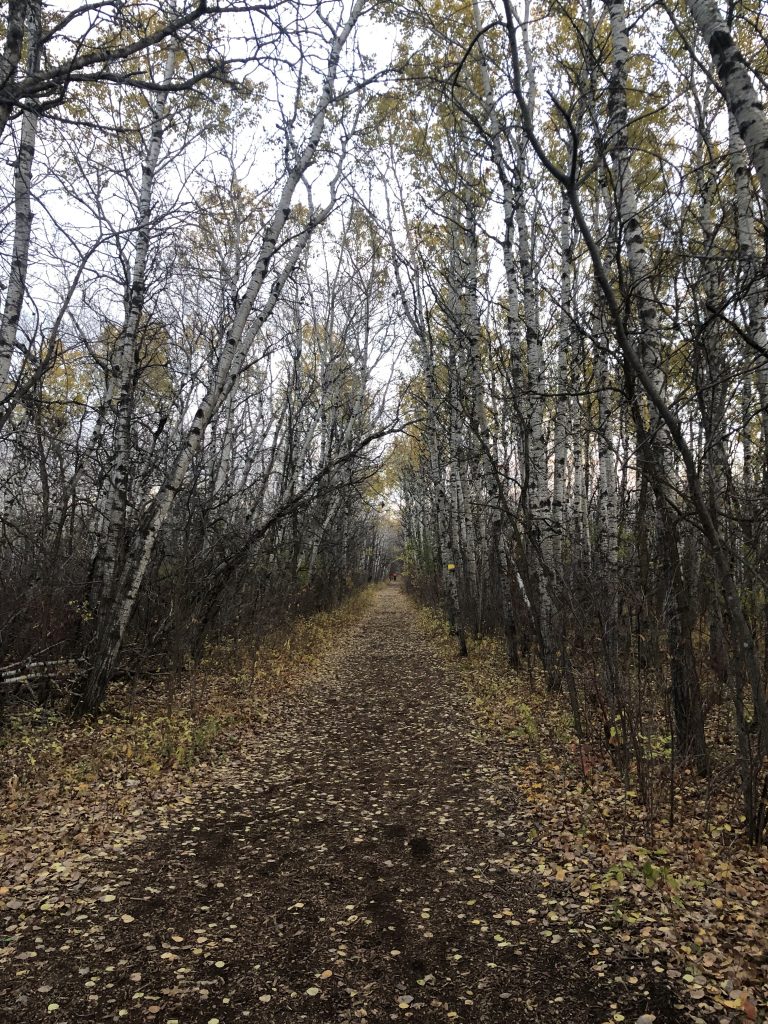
point(22, 187)
point(241, 335)
point(744, 105)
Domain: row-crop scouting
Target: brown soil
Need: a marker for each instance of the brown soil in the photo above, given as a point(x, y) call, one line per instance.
point(359, 860)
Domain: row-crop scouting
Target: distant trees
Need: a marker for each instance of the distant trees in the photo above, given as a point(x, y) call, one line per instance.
point(188, 446)
point(213, 265)
point(603, 415)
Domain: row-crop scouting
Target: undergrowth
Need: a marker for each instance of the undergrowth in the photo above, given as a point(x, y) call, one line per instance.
point(688, 891)
point(164, 725)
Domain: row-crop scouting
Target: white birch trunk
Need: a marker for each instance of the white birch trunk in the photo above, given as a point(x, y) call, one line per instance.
point(22, 198)
point(686, 693)
point(509, 204)
point(751, 267)
point(223, 475)
point(514, 216)
point(741, 97)
point(561, 400)
point(243, 332)
point(607, 482)
point(537, 467)
point(11, 55)
point(634, 239)
point(580, 503)
point(114, 499)
point(481, 478)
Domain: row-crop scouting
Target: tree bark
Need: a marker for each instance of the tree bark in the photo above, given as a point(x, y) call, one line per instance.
point(240, 337)
point(741, 97)
point(22, 194)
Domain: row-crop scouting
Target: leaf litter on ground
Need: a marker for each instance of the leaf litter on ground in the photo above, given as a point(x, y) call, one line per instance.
point(692, 896)
point(356, 842)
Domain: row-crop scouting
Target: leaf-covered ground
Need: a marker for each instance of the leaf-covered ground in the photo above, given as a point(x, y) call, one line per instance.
point(690, 894)
point(363, 851)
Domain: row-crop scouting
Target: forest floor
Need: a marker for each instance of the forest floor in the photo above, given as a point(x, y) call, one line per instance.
point(364, 851)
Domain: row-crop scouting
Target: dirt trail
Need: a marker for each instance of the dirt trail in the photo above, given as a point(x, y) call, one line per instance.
point(360, 862)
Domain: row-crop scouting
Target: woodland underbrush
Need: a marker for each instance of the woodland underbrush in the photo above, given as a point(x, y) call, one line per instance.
point(155, 730)
point(655, 855)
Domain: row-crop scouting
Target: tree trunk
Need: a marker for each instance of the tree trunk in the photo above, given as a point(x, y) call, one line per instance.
point(237, 344)
point(741, 97)
point(687, 697)
point(22, 195)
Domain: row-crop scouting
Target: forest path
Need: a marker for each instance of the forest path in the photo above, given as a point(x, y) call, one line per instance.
point(361, 862)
